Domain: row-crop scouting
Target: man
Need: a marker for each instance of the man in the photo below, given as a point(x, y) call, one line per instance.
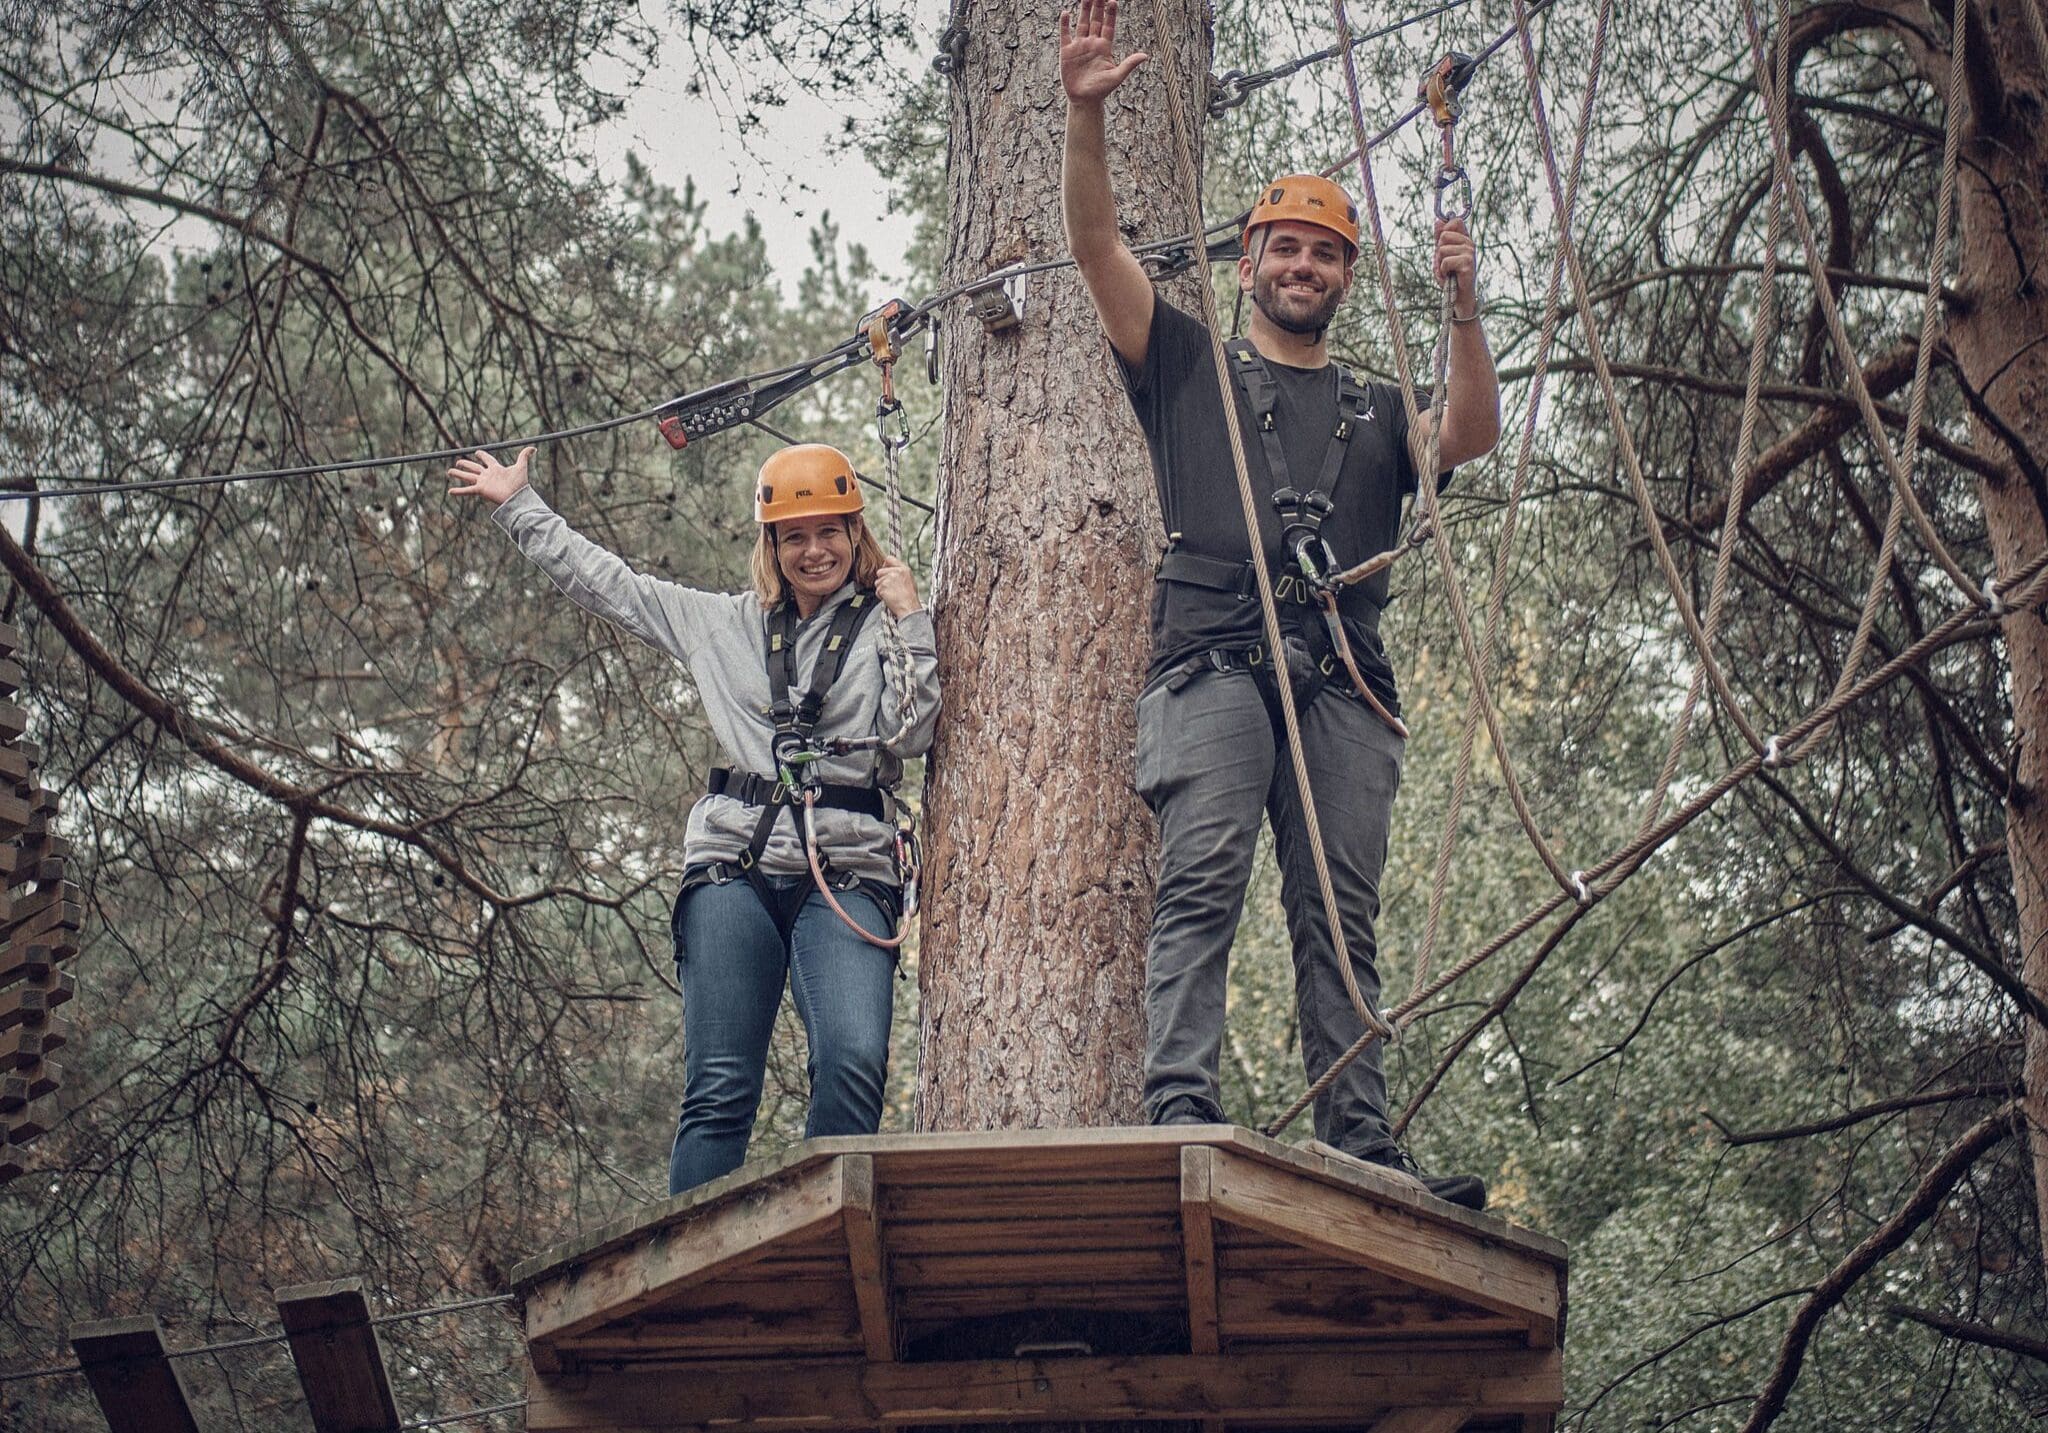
point(1211, 755)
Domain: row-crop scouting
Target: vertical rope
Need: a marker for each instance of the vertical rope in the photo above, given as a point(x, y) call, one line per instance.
point(1496, 597)
point(1763, 332)
point(1776, 106)
point(1923, 362)
point(1425, 485)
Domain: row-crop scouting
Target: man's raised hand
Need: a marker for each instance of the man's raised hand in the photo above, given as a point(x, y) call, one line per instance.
point(1089, 68)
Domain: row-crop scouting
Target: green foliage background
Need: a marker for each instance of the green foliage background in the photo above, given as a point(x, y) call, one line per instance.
point(429, 1030)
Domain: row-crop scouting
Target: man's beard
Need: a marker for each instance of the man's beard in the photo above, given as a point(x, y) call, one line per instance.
point(1266, 296)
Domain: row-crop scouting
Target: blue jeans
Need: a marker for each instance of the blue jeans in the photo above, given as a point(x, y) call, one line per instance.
point(1211, 766)
point(732, 962)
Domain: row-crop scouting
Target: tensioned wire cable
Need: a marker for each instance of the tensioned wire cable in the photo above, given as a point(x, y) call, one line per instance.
point(820, 366)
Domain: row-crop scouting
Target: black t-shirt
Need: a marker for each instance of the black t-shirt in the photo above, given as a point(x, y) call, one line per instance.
point(1174, 394)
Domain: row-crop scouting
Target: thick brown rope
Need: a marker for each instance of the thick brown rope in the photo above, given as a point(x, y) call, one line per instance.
point(1923, 362)
point(1425, 485)
point(1763, 332)
point(1496, 597)
point(1775, 104)
point(1191, 186)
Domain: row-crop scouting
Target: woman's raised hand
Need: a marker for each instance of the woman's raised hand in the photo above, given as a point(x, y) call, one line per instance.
point(486, 477)
point(896, 587)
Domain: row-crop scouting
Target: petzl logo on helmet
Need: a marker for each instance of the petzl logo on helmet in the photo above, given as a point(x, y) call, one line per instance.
point(802, 493)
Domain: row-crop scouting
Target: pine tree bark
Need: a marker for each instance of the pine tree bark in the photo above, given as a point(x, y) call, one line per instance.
point(1999, 336)
point(2001, 346)
point(1039, 873)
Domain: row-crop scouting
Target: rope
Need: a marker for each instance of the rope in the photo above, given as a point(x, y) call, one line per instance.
point(1425, 487)
point(261, 1340)
point(1776, 102)
point(1269, 609)
point(1763, 332)
point(1923, 361)
point(1496, 597)
point(2029, 586)
point(2038, 29)
point(472, 1415)
point(825, 888)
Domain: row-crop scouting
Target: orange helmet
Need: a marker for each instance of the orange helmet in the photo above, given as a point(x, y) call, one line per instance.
point(1307, 199)
point(806, 480)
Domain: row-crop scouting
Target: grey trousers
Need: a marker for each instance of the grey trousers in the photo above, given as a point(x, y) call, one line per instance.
point(1210, 763)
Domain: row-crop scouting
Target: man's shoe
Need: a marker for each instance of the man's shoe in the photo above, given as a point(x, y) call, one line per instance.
point(1467, 1191)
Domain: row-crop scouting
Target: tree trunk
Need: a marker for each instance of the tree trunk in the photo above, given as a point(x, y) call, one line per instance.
point(2001, 344)
point(1039, 853)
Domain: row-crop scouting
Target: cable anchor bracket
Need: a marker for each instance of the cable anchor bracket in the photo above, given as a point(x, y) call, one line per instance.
point(998, 300)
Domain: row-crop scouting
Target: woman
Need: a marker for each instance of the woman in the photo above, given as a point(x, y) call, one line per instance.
point(791, 674)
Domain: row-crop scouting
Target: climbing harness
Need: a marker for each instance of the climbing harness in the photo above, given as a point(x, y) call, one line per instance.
point(1312, 651)
point(795, 786)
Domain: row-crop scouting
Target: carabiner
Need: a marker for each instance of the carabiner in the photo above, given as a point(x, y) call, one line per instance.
point(1453, 179)
point(887, 407)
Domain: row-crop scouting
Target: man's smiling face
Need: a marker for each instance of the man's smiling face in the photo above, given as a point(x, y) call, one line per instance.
point(1297, 275)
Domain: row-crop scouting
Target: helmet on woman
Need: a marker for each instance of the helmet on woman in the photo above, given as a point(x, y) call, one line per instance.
point(806, 480)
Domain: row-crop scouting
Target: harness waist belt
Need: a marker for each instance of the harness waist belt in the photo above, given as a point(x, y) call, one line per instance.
point(754, 790)
point(1240, 578)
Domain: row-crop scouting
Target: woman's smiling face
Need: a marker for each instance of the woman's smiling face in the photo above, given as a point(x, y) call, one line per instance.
point(815, 555)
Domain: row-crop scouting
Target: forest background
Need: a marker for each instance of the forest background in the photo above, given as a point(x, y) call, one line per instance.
point(388, 993)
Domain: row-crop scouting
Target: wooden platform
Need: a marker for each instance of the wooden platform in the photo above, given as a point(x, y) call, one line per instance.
point(1192, 1272)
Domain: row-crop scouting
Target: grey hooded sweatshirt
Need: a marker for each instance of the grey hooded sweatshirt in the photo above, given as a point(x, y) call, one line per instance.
point(720, 637)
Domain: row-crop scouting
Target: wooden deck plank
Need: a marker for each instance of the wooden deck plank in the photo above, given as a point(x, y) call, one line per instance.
point(1422, 1420)
point(869, 1265)
point(339, 1357)
point(1198, 1246)
point(1019, 1200)
point(1391, 1239)
point(1049, 1265)
point(1163, 1296)
point(138, 1389)
point(847, 1395)
point(1331, 1302)
point(721, 1238)
point(1079, 1233)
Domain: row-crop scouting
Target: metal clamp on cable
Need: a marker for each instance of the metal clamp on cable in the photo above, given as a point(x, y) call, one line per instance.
point(1165, 263)
point(952, 56)
point(998, 301)
point(1993, 603)
point(1442, 91)
point(1226, 92)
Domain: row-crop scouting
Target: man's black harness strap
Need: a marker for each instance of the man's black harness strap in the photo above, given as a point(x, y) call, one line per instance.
point(1293, 587)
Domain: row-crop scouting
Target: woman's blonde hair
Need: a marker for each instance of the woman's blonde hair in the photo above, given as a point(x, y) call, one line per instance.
point(768, 583)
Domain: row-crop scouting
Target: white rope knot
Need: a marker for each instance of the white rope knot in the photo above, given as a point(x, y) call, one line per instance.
point(1581, 892)
point(1774, 754)
point(1993, 603)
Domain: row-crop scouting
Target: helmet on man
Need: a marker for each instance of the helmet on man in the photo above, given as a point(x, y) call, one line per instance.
point(1305, 199)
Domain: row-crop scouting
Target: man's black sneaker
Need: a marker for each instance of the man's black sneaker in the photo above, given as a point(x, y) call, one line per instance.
point(1467, 1191)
